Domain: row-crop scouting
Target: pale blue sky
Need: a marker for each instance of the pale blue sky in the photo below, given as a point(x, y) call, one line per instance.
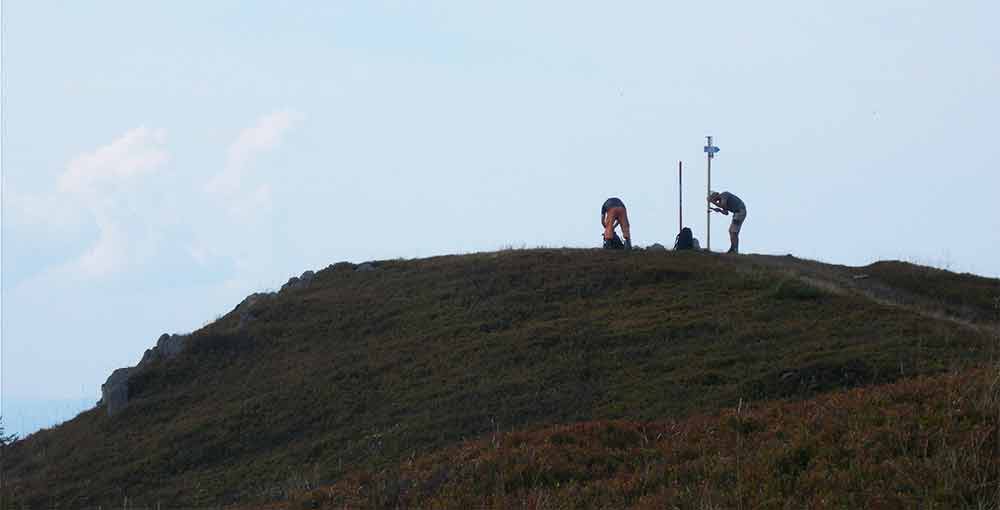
point(161, 160)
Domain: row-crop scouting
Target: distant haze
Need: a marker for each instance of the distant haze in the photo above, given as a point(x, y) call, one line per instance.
point(30, 415)
point(163, 160)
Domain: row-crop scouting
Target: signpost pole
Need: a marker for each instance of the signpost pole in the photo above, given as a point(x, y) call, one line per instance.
point(708, 210)
point(680, 195)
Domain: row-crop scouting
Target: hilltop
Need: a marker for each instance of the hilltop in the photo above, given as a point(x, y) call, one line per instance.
point(363, 371)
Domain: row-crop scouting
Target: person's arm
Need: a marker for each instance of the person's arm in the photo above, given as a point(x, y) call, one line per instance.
point(717, 202)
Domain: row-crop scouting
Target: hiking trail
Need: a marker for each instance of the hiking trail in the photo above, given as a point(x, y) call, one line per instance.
point(847, 280)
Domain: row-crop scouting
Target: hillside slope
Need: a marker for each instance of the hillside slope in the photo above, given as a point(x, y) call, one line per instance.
point(363, 369)
point(927, 442)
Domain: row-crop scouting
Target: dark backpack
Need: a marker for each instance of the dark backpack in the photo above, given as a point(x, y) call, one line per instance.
point(614, 243)
point(685, 240)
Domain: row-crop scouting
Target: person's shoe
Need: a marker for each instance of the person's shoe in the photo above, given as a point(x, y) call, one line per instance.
point(628, 244)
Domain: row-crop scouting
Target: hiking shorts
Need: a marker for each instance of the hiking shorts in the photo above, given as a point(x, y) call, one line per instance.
point(737, 224)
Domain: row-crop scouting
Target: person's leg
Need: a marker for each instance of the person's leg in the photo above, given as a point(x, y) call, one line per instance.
point(623, 219)
point(734, 231)
point(609, 226)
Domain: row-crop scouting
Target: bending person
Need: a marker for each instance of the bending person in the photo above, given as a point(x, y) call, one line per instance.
point(726, 203)
point(613, 213)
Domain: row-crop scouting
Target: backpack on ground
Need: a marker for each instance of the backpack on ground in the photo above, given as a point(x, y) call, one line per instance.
point(685, 240)
point(614, 243)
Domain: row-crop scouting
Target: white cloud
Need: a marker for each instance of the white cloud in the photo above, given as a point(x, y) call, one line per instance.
point(137, 152)
point(103, 179)
point(265, 135)
point(116, 188)
point(98, 188)
point(91, 180)
point(109, 254)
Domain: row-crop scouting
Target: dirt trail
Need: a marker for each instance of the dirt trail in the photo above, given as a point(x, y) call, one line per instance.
point(853, 280)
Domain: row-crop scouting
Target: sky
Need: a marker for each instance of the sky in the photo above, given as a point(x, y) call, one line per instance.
point(162, 160)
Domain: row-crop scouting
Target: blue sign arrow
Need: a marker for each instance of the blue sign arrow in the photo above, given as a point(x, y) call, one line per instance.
point(711, 149)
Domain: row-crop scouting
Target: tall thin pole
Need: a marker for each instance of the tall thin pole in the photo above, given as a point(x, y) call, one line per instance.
point(708, 209)
point(680, 195)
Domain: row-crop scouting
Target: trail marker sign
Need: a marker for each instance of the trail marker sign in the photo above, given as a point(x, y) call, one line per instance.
point(710, 151)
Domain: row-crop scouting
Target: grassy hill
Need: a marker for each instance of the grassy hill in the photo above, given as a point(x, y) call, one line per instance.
point(363, 372)
point(927, 442)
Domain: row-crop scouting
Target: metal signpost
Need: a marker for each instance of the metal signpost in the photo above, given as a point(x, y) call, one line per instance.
point(710, 151)
point(680, 195)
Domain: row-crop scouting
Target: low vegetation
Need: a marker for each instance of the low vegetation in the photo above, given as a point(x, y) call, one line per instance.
point(962, 295)
point(362, 371)
point(928, 442)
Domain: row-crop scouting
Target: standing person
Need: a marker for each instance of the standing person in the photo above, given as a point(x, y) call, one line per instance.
point(613, 213)
point(726, 203)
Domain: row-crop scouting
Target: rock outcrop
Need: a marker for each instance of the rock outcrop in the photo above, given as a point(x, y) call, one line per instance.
point(115, 391)
point(341, 266)
point(250, 308)
point(300, 282)
point(167, 346)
